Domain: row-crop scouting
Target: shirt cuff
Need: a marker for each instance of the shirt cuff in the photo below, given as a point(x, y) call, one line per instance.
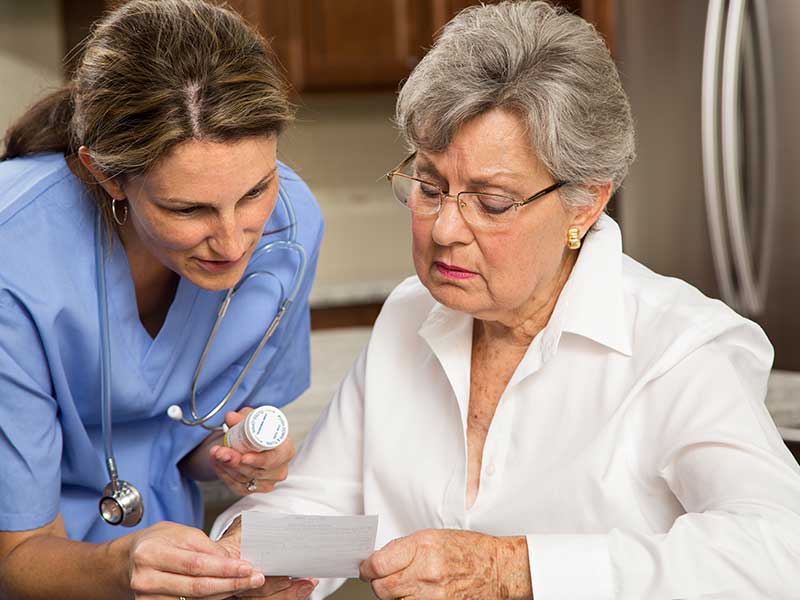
point(570, 567)
point(222, 524)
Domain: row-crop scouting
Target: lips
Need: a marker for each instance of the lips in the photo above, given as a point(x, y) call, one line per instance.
point(453, 271)
point(217, 266)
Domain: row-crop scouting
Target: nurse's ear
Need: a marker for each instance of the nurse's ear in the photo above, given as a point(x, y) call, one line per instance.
point(110, 184)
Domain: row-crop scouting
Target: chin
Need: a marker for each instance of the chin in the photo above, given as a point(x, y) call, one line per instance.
point(453, 297)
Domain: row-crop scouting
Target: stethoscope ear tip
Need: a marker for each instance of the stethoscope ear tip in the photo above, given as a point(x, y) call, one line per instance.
point(175, 413)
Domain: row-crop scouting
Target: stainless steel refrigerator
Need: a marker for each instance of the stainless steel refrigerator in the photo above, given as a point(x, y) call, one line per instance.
point(714, 195)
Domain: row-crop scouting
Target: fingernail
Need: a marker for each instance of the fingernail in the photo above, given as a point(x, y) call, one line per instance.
point(224, 458)
point(257, 580)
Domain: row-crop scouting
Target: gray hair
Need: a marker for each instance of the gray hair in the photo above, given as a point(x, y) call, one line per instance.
point(548, 66)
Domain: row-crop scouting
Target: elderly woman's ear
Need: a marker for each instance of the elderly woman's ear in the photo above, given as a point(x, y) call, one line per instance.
point(584, 217)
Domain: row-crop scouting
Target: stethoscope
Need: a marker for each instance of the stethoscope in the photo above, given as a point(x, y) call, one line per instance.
point(121, 503)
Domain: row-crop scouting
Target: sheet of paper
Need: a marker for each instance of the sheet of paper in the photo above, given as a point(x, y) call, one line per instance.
point(307, 545)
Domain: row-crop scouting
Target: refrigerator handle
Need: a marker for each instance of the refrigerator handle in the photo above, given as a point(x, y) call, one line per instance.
point(751, 301)
point(770, 157)
point(712, 177)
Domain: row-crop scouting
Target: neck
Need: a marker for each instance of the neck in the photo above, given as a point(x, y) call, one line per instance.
point(154, 284)
point(521, 326)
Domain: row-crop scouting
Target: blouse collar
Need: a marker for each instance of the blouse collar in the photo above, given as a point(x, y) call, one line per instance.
point(591, 305)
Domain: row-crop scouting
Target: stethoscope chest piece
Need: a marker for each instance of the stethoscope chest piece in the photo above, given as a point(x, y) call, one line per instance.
point(122, 506)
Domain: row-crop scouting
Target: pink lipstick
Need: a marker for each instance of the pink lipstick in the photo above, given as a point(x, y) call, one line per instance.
point(453, 272)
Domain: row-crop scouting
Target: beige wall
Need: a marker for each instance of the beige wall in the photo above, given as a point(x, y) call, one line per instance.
point(343, 145)
point(31, 48)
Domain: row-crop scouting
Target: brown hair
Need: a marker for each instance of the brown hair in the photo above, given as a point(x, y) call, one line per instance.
point(155, 73)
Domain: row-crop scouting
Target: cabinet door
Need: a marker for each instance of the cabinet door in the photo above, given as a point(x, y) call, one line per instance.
point(344, 45)
point(356, 44)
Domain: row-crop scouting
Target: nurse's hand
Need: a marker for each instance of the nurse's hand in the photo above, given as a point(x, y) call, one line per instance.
point(168, 560)
point(249, 472)
point(445, 563)
point(274, 588)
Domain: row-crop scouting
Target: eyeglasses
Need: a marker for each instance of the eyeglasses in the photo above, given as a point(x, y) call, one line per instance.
point(486, 211)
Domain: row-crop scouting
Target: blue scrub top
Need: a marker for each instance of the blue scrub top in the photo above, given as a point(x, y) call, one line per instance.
point(51, 443)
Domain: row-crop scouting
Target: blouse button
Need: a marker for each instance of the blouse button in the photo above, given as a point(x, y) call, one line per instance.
point(490, 469)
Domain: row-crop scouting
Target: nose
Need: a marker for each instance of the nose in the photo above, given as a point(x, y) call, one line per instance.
point(450, 227)
point(228, 238)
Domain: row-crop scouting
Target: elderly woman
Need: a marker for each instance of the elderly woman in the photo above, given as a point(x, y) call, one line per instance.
point(536, 414)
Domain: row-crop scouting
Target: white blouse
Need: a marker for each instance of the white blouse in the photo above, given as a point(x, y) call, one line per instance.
point(632, 445)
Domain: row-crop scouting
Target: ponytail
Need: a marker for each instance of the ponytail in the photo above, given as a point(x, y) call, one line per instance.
point(45, 127)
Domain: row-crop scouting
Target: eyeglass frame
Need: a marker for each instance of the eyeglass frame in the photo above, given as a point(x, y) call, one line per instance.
point(442, 194)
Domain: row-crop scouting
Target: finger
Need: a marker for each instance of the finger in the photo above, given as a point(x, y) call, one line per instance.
point(284, 589)
point(393, 557)
point(226, 456)
point(195, 559)
point(244, 480)
point(174, 585)
point(234, 485)
point(268, 460)
point(300, 589)
point(245, 473)
point(392, 586)
point(232, 418)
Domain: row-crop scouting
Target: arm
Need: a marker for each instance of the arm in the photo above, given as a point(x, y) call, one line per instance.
point(702, 431)
point(163, 559)
point(716, 447)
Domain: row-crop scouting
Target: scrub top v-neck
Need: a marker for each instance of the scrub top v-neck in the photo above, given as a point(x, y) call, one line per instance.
point(51, 445)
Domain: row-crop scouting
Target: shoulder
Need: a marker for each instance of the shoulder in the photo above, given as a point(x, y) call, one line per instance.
point(23, 180)
point(672, 320)
point(46, 219)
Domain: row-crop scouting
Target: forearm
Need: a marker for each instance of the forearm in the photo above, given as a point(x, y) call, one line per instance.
point(47, 567)
point(513, 568)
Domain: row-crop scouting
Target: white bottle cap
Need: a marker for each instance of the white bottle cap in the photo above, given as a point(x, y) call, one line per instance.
point(266, 427)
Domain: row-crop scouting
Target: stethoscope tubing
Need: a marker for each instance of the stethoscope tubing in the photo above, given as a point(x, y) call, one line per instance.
point(105, 354)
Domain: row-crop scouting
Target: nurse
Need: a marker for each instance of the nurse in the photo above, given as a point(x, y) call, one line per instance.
point(130, 202)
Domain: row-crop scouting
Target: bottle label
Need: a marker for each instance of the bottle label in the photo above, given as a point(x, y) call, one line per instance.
point(267, 427)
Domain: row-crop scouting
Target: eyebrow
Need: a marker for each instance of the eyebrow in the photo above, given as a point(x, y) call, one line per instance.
point(488, 179)
point(185, 202)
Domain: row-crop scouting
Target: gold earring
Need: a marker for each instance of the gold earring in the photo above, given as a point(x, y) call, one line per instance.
point(120, 221)
point(573, 238)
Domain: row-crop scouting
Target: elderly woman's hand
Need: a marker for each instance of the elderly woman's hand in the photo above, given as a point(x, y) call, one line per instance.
point(249, 472)
point(445, 563)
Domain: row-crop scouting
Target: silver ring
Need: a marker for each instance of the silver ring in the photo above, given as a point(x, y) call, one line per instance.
point(251, 487)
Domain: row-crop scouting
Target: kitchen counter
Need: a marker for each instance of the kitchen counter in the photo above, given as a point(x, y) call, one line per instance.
point(783, 403)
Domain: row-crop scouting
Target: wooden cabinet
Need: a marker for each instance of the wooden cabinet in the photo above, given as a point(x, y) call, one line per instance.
point(344, 45)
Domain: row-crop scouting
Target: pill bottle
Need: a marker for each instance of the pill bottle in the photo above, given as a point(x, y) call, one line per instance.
point(262, 429)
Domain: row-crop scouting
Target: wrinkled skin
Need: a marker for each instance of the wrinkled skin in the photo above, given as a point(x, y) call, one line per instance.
point(443, 563)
